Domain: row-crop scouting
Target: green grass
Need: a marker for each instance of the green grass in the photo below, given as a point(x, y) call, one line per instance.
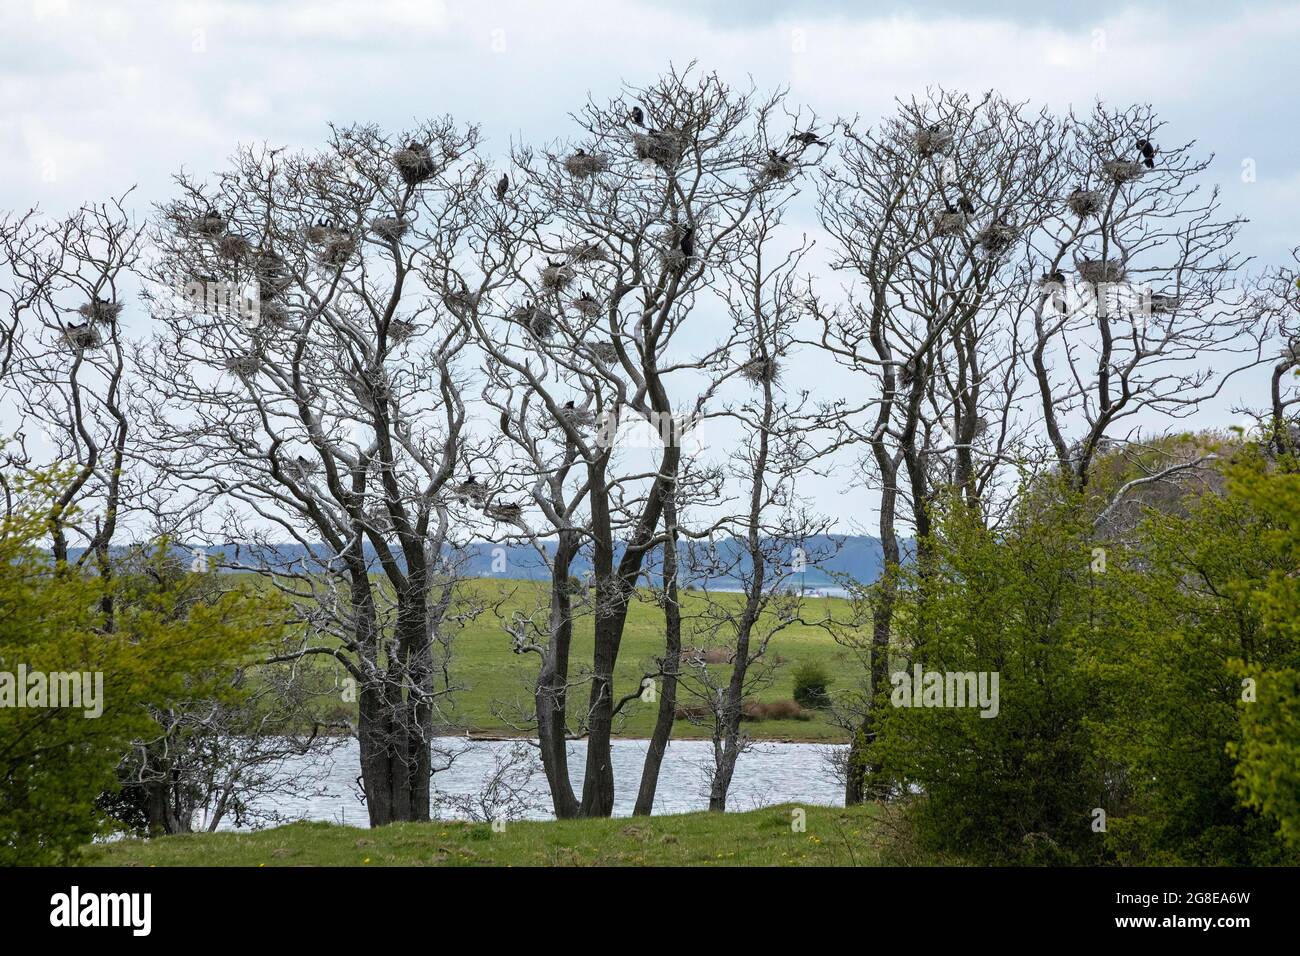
point(833, 837)
point(497, 684)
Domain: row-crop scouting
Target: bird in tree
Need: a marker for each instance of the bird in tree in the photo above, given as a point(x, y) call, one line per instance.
point(637, 116)
point(966, 206)
point(687, 243)
point(503, 184)
point(1148, 151)
point(806, 139)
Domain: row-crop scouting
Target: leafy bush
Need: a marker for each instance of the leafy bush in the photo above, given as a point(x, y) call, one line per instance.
point(811, 683)
point(55, 762)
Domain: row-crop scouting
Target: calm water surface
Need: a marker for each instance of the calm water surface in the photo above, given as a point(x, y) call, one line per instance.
point(770, 773)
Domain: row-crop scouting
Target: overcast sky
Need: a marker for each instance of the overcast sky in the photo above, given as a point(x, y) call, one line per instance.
point(97, 96)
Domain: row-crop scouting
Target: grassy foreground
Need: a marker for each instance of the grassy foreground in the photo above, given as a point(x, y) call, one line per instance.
point(833, 836)
point(495, 684)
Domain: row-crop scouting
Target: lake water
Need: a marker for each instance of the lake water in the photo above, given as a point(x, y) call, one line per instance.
point(770, 773)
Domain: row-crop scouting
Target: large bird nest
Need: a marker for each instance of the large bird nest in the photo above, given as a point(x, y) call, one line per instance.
point(415, 163)
point(232, 247)
point(336, 252)
point(209, 224)
point(461, 301)
point(1101, 270)
point(378, 519)
point(1162, 304)
point(508, 511)
point(775, 168)
point(581, 252)
point(761, 370)
point(1085, 202)
point(471, 490)
point(605, 352)
point(273, 313)
point(557, 276)
point(539, 323)
point(322, 233)
point(950, 224)
point(581, 165)
point(671, 254)
point(81, 337)
point(400, 330)
point(932, 141)
point(272, 272)
point(241, 365)
point(996, 238)
point(101, 310)
point(586, 304)
point(389, 228)
point(1123, 170)
point(661, 147)
point(578, 417)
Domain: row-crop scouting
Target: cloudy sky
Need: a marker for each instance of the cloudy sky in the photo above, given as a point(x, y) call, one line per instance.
point(98, 96)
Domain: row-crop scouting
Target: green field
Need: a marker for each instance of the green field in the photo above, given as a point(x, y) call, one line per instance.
point(833, 836)
point(495, 684)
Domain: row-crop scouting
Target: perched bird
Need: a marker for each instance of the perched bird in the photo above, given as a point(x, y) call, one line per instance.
point(1056, 283)
point(579, 152)
point(502, 185)
point(569, 404)
point(1148, 152)
point(687, 243)
point(637, 116)
point(304, 464)
point(966, 206)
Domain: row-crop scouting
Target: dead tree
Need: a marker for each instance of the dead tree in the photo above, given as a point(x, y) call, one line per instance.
point(1278, 298)
point(767, 538)
point(306, 388)
point(582, 277)
point(66, 369)
point(928, 212)
point(1149, 321)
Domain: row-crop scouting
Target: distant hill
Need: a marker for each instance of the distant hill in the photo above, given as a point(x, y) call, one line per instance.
point(856, 557)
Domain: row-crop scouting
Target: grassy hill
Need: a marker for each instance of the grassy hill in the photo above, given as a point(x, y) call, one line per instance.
point(833, 836)
point(496, 684)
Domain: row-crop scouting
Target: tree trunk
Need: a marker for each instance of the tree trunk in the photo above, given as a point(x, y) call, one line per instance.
point(672, 662)
point(859, 764)
point(552, 684)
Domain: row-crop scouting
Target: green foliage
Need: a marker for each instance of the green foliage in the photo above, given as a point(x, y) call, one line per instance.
point(1019, 786)
point(55, 762)
point(1267, 775)
point(1169, 718)
point(811, 685)
point(1121, 663)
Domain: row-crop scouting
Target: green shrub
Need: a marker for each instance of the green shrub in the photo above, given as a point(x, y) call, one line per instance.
point(811, 683)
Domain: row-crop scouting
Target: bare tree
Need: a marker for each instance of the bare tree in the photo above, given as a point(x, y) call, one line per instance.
point(306, 388)
point(580, 278)
point(1139, 315)
point(1278, 297)
point(66, 365)
point(929, 212)
point(772, 538)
